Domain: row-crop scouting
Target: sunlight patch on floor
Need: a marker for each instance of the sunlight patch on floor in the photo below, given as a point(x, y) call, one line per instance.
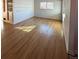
point(26, 28)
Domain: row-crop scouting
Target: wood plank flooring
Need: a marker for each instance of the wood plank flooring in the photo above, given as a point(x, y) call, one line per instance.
point(36, 38)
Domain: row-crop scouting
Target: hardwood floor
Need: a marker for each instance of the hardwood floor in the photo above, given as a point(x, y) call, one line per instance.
point(36, 38)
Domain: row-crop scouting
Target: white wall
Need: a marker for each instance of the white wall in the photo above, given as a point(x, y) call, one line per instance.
point(1, 14)
point(1, 22)
point(1, 10)
point(23, 9)
point(53, 14)
point(66, 21)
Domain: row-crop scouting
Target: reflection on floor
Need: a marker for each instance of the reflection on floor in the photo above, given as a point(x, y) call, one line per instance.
point(36, 38)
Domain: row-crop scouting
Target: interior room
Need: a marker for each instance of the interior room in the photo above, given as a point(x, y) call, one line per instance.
point(39, 29)
point(17, 11)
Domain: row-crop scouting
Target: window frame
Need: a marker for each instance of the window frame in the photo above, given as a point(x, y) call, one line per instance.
point(46, 6)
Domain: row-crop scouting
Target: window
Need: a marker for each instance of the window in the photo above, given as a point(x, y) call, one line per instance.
point(43, 5)
point(46, 5)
